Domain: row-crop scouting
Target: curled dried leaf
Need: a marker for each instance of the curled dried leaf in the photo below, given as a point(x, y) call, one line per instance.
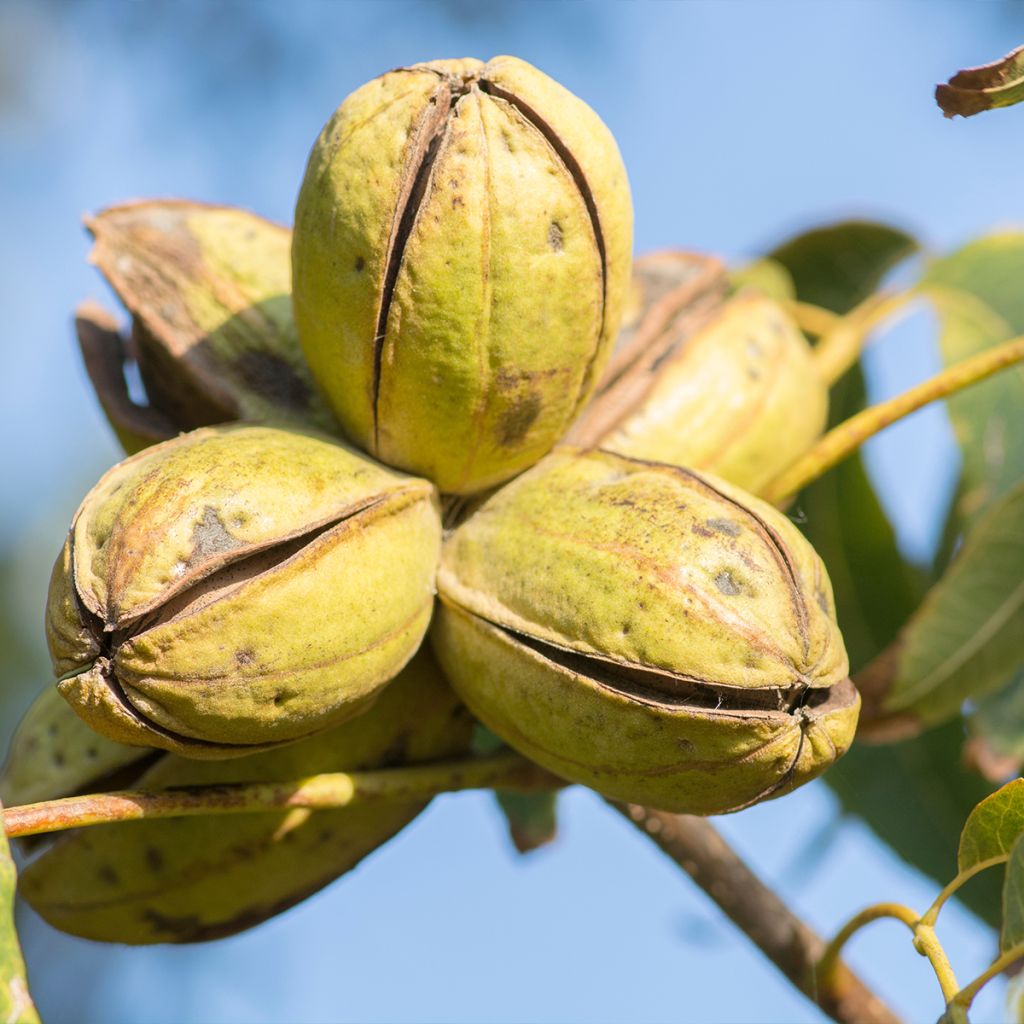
point(969, 92)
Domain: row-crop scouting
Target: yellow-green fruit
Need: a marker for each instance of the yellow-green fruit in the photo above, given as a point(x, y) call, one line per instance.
point(209, 292)
point(239, 587)
point(736, 394)
point(190, 879)
point(460, 260)
point(657, 635)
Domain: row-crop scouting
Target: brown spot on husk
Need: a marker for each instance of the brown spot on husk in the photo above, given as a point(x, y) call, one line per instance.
point(516, 421)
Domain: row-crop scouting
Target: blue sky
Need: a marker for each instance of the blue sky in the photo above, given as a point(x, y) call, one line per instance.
point(740, 123)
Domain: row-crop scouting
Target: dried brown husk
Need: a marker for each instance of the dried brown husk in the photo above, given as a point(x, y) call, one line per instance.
point(208, 289)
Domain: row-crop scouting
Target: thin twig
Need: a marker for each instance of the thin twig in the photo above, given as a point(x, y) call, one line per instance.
point(931, 914)
point(966, 995)
point(840, 347)
point(849, 435)
point(811, 319)
point(926, 942)
point(876, 912)
point(506, 771)
point(695, 845)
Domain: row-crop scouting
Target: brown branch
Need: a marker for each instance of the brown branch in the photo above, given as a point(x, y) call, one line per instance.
point(695, 845)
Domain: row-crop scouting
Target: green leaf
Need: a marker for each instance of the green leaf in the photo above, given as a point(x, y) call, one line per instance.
point(993, 826)
point(839, 265)
point(532, 818)
point(876, 589)
point(969, 92)
point(15, 1002)
point(1012, 932)
point(977, 295)
point(915, 796)
point(999, 718)
point(966, 639)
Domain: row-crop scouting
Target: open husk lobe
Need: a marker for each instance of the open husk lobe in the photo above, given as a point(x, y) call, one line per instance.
point(200, 878)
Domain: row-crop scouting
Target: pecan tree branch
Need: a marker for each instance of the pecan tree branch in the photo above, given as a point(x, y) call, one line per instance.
point(696, 846)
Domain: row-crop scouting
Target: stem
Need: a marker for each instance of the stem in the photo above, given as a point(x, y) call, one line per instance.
point(898, 911)
point(695, 845)
point(841, 346)
point(844, 439)
point(926, 942)
point(318, 792)
point(813, 319)
point(966, 995)
point(932, 913)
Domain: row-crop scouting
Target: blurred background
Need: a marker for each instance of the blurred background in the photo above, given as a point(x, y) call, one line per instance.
point(740, 124)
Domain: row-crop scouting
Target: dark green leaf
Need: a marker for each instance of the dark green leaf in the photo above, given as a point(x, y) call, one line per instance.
point(999, 84)
point(1012, 933)
point(993, 826)
point(875, 588)
point(839, 265)
point(532, 818)
point(999, 719)
point(876, 591)
point(967, 638)
point(836, 267)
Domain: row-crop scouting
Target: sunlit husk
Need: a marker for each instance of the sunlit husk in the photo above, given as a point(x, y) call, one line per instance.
point(461, 256)
point(655, 634)
point(239, 587)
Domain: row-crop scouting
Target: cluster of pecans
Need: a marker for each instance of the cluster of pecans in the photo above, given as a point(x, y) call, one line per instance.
point(246, 597)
